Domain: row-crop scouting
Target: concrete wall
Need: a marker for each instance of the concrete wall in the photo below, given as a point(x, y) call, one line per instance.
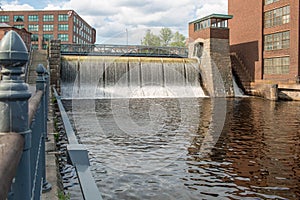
point(215, 65)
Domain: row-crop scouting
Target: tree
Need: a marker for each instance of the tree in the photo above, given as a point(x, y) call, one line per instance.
point(178, 40)
point(165, 36)
point(150, 39)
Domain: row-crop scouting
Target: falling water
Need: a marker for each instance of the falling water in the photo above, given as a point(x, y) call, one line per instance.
point(238, 92)
point(100, 78)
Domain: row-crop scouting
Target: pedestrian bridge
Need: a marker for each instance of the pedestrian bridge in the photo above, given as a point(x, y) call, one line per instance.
point(123, 50)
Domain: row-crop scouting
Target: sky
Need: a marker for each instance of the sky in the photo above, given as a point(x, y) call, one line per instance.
point(119, 21)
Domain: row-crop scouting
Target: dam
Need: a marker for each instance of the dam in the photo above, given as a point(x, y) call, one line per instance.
point(129, 77)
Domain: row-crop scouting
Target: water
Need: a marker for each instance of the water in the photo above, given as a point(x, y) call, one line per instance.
point(97, 78)
point(191, 148)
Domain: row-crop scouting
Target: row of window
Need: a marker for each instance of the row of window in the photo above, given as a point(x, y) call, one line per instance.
point(83, 34)
point(46, 27)
point(279, 65)
point(34, 18)
point(277, 41)
point(277, 17)
point(82, 25)
point(270, 1)
point(214, 23)
point(48, 37)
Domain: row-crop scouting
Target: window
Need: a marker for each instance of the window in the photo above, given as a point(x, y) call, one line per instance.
point(277, 17)
point(63, 37)
point(33, 18)
point(35, 46)
point(63, 27)
point(4, 18)
point(19, 26)
point(33, 27)
point(18, 18)
point(45, 46)
point(277, 41)
point(63, 18)
point(279, 65)
point(48, 37)
point(270, 1)
point(34, 37)
point(48, 27)
point(48, 18)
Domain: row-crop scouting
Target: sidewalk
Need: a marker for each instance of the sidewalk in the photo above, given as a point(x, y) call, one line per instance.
point(51, 168)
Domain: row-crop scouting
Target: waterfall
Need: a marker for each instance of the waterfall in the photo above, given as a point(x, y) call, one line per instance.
point(138, 78)
point(238, 92)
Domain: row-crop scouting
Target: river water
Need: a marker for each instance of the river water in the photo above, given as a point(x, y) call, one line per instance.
point(191, 148)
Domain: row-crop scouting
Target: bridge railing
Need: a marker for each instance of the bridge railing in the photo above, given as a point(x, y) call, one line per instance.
point(123, 50)
point(23, 125)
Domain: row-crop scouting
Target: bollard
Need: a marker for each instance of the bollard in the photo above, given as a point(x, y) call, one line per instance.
point(14, 97)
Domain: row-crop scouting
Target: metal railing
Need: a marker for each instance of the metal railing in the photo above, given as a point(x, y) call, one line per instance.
point(23, 122)
point(78, 155)
point(123, 50)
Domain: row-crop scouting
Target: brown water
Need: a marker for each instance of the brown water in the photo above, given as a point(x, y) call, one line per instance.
point(245, 148)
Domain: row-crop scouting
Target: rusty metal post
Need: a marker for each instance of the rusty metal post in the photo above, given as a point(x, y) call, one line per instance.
point(14, 97)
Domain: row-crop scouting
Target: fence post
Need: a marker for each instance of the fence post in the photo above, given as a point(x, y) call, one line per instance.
point(47, 79)
point(14, 97)
point(41, 85)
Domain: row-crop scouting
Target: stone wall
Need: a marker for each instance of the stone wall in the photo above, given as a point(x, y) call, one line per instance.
point(215, 65)
point(54, 62)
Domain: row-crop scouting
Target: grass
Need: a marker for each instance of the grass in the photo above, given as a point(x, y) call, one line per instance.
point(62, 196)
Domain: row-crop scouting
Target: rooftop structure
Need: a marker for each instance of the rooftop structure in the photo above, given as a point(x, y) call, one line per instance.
point(211, 26)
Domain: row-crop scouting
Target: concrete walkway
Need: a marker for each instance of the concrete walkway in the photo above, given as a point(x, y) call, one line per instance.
point(51, 167)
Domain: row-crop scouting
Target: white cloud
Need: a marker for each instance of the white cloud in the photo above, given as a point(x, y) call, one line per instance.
point(15, 5)
point(112, 17)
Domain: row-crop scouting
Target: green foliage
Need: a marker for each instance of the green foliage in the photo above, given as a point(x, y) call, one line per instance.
point(178, 40)
point(62, 196)
point(166, 38)
point(150, 39)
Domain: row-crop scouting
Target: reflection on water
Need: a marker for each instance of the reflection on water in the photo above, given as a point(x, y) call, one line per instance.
point(174, 149)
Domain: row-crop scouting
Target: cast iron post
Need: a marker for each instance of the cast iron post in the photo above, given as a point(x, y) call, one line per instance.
point(41, 85)
point(14, 97)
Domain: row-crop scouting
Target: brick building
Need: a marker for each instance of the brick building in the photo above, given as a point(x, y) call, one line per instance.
point(264, 34)
point(45, 25)
point(209, 42)
point(25, 35)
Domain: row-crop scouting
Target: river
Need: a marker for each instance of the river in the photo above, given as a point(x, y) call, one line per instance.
point(191, 148)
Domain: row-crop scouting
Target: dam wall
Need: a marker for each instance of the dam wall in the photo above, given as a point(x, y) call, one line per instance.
point(122, 77)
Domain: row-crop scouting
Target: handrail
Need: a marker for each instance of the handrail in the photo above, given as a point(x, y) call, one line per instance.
point(11, 148)
point(27, 66)
point(79, 157)
point(123, 50)
point(34, 102)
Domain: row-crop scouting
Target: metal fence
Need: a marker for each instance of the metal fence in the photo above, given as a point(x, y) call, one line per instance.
point(78, 155)
point(124, 50)
point(23, 124)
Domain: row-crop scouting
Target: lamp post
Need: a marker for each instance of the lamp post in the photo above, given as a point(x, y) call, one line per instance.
point(127, 39)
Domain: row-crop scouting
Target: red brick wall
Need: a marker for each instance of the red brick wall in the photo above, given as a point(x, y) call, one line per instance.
point(246, 36)
point(218, 33)
point(246, 33)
